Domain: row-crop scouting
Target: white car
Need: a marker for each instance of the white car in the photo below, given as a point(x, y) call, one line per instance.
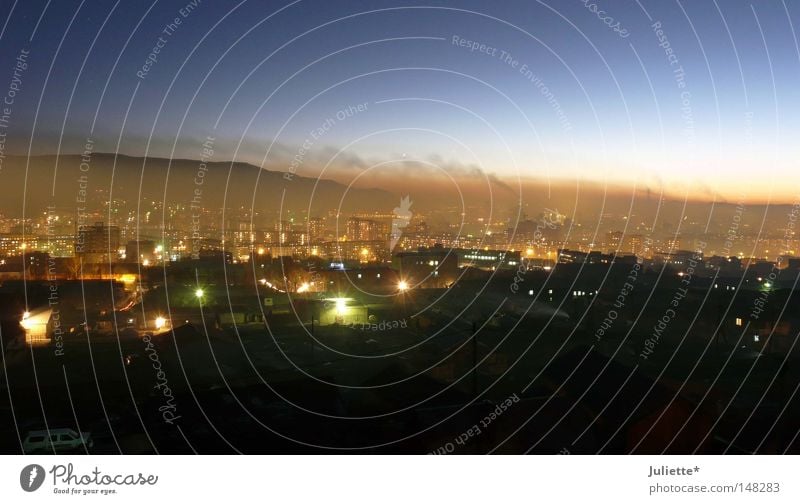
point(57, 439)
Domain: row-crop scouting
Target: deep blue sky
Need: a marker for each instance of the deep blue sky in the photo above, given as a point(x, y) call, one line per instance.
point(615, 112)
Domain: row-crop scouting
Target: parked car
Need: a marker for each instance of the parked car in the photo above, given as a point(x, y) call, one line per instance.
point(56, 439)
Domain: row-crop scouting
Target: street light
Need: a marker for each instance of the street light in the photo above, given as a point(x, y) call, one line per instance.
point(199, 293)
point(402, 285)
point(160, 322)
point(26, 321)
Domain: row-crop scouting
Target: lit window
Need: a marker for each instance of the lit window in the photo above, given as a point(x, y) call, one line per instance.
point(738, 321)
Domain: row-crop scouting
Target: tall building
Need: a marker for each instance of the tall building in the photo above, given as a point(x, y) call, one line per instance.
point(12, 244)
point(57, 245)
point(614, 240)
point(359, 229)
point(283, 229)
point(315, 229)
point(634, 244)
point(672, 243)
point(97, 244)
point(621, 243)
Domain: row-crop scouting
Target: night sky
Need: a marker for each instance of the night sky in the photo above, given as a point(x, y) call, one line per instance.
point(596, 103)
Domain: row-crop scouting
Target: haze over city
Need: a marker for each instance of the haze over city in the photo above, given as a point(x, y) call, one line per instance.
point(673, 106)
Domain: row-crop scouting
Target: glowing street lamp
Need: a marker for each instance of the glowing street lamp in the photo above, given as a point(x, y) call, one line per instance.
point(160, 322)
point(199, 293)
point(26, 321)
point(402, 285)
point(341, 306)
